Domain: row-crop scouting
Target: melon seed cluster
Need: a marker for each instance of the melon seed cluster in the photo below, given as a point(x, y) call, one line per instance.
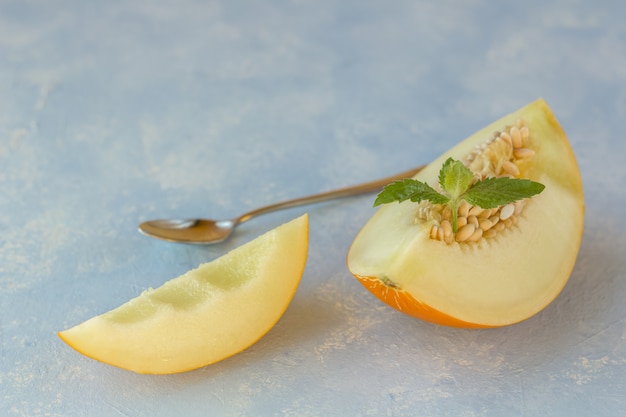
point(501, 155)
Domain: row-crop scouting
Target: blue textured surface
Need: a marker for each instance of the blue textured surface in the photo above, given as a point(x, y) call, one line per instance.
point(116, 112)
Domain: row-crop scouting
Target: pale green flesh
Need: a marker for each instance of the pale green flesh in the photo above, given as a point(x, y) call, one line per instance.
point(496, 281)
point(190, 289)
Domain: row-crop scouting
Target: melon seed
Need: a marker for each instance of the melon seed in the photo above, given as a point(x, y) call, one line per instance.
point(523, 153)
point(461, 221)
point(475, 211)
point(525, 133)
point(507, 211)
point(465, 232)
point(464, 209)
point(434, 231)
point(516, 137)
point(475, 237)
point(507, 138)
point(485, 224)
point(510, 168)
point(447, 227)
point(472, 220)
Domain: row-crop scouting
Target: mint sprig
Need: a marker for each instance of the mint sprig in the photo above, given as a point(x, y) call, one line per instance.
point(458, 184)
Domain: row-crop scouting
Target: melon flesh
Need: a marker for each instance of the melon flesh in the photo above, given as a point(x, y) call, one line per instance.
point(205, 315)
point(499, 280)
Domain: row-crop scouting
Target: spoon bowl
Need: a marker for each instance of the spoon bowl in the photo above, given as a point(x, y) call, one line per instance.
point(207, 231)
point(195, 231)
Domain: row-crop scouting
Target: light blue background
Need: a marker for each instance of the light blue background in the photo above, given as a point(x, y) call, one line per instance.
point(115, 112)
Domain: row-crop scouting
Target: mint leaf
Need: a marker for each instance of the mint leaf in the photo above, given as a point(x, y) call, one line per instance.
point(458, 184)
point(455, 178)
point(409, 189)
point(495, 192)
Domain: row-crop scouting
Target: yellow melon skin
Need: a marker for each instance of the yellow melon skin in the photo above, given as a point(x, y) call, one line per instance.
point(205, 315)
point(497, 281)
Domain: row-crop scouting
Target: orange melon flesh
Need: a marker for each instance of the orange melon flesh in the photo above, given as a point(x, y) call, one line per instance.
point(496, 281)
point(205, 315)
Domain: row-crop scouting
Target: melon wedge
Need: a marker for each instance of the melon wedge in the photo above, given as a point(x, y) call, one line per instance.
point(205, 315)
point(500, 278)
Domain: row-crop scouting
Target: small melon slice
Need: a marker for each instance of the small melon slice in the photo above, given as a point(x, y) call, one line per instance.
point(500, 274)
point(205, 315)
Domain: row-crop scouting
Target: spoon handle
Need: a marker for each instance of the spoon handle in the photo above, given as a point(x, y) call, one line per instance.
point(328, 195)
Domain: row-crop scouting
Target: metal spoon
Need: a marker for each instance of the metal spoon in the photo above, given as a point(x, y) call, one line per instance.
point(205, 231)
